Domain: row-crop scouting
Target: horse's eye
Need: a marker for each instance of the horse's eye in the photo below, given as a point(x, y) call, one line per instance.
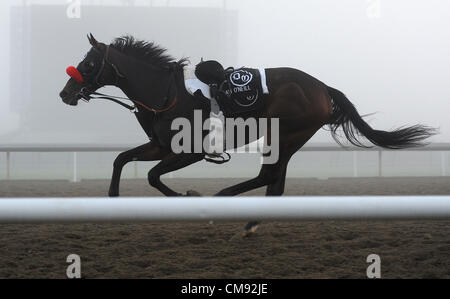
point(89, 65)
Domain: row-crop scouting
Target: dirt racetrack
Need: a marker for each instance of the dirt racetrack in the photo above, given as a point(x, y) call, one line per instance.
point(321, 249)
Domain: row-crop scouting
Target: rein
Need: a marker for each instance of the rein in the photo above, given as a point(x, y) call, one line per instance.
point(86, 95)
point(116, 99)
point(99, 95)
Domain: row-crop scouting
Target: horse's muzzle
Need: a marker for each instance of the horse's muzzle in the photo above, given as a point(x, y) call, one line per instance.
point(68, 98)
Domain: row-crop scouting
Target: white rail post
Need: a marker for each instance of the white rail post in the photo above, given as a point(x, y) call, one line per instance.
point(380, 163)
point(355, 164)
point(443, 170)
point(8, 165)
point(75, 174)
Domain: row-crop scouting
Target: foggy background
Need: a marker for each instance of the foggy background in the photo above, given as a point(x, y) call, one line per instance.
point(388, 57)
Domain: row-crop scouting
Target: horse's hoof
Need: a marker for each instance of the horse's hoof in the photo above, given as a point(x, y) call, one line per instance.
point(192, 193)
point(251, 226)
point(249, 231)
point(243, 235)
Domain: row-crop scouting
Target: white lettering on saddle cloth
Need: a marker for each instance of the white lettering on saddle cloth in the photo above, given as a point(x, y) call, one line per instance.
point(241, 77)
point(238, 89)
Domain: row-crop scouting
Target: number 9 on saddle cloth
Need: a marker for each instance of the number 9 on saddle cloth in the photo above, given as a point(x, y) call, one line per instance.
point(236, 91)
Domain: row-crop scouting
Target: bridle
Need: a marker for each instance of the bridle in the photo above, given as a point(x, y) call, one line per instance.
point(87, 95)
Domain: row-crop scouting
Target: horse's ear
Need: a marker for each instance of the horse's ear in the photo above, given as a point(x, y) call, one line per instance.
point(93, 41)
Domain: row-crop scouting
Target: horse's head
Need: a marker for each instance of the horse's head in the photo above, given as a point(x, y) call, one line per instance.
point(93, 72)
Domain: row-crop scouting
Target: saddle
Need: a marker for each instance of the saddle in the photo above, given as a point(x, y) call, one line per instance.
point(237, 91)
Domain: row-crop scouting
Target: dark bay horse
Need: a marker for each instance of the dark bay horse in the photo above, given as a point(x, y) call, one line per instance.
point(154, 82)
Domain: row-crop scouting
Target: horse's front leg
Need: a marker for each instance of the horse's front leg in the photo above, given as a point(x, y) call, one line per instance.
point(168, 164)
point(146, 152)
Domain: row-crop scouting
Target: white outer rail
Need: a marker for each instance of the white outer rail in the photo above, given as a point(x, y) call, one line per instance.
point(134, 209)
point(75, 148)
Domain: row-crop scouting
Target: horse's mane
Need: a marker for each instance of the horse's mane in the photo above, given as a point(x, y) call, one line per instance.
point(147, 51)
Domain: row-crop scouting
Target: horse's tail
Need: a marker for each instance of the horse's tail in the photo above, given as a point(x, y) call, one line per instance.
point(346, 116)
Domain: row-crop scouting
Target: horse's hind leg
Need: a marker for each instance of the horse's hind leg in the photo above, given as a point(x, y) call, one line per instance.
point(298, 139)
point(273, 175)
point(274, 189)
point(277, 188)
point(145, 152)
point(267, 175)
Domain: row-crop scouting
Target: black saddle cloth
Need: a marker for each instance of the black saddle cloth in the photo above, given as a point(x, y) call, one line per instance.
point(237, 91)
